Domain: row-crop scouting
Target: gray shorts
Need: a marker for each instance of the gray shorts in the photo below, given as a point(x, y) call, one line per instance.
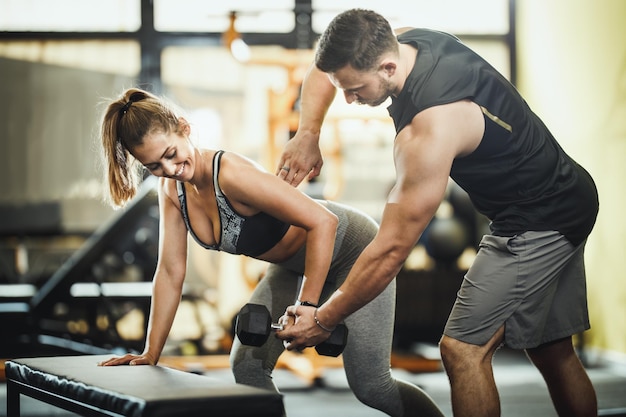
point(533, 283)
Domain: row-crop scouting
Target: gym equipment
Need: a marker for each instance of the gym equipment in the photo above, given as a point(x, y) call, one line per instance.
point(446, 239)
point(77, 384)
point(78, 306)
point(253, 326)
point(477, 224)
point(131, 237)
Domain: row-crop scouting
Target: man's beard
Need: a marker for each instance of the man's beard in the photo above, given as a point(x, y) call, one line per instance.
point(385, 90)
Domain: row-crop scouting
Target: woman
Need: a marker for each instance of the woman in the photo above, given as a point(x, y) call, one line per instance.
point(228, 203)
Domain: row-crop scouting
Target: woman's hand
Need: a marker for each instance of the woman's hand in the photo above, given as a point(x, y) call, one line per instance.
point(303, 331)
point(286, 321)
point(128, 359)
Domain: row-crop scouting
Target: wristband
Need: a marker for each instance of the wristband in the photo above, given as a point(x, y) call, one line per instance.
point(317, 321)
point(306, 304)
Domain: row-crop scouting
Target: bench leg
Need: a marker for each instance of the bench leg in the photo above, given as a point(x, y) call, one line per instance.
point(13, 400)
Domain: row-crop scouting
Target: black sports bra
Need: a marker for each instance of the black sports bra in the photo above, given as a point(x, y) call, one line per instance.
point(241, 235)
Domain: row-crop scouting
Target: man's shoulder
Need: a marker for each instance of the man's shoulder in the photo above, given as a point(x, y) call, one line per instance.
point(400, 31)
point(413, 33)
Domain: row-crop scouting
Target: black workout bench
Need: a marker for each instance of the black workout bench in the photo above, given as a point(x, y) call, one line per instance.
point(77, 384)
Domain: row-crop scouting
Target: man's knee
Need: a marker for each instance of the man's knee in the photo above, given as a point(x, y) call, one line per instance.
point(457, 353)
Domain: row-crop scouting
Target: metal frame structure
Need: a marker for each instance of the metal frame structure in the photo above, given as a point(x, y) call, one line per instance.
point(152, 42)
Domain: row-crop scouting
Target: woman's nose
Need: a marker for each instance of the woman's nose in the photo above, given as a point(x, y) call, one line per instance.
point(169, 168)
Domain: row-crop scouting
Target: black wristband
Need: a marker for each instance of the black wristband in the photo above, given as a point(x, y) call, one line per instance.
point(306, 304)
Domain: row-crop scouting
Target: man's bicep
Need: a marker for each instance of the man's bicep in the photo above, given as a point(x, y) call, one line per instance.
point(423, 162)
point(411, 204)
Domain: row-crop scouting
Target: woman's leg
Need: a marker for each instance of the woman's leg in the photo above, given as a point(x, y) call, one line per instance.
point(253, 365)
point(367, 362)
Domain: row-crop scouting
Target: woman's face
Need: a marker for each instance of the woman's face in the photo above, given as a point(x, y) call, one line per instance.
point(167, 155)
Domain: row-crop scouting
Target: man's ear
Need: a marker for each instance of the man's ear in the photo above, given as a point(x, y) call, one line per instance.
point(184, 126)
point(389, 67)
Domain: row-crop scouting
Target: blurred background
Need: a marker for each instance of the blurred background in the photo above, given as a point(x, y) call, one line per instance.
point(75, 274)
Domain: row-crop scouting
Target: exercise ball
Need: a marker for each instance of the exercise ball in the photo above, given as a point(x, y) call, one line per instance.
point(446, 239)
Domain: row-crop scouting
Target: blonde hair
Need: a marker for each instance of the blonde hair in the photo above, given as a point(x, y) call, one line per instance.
point(125, 123)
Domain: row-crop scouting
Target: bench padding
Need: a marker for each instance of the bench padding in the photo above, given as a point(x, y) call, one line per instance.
point(138, 391)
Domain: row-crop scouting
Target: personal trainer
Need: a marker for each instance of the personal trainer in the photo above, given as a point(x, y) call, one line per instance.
point(456, 116)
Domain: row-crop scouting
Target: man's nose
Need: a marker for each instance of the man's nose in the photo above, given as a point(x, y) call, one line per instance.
point(350, 97)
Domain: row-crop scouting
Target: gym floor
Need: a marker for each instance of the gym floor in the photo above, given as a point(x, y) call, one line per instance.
point(521, 388)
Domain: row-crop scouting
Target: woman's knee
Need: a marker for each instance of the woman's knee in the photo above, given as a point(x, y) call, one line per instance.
point(370, 391)
point(251, 368)
point(244, 360)
point(237, 358)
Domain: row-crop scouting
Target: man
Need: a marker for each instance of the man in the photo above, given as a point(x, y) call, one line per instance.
point(456, 116)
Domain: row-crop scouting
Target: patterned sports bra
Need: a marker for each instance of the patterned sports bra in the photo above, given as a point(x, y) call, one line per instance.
point(241, 235)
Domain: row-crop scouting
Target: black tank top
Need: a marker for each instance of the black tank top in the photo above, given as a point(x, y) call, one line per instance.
point(519, 176)
point(240, 235)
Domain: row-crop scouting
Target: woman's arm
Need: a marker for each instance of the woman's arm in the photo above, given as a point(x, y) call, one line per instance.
point(246, 183)
point(167, 283)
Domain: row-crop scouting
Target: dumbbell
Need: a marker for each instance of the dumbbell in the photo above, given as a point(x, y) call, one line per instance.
point(254, 324)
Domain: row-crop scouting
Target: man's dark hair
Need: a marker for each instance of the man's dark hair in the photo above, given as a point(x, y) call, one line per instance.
point(356, 37)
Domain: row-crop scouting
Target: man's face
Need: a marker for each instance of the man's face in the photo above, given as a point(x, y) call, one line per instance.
point(363, 87)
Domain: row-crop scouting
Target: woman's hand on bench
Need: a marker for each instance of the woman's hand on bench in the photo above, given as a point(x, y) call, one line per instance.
point(128, 359)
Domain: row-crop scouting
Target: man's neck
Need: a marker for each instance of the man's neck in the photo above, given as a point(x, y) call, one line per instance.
point(406, 61)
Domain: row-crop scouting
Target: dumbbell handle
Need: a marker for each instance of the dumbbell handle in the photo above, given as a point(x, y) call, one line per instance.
point(253, 331)
point(324, 348)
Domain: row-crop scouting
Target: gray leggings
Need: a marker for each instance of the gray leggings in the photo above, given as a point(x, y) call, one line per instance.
point(367, 355)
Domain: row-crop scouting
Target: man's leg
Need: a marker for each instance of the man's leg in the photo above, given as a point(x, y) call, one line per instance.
point(469, 368)
point(568, 382)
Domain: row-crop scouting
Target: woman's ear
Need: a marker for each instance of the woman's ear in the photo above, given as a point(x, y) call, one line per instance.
point(185, 128)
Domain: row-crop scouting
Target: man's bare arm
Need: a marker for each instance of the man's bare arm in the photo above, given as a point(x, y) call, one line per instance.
point(302, 156)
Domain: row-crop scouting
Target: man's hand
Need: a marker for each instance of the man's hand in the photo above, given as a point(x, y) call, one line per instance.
point(301, 158)
point(305, 332)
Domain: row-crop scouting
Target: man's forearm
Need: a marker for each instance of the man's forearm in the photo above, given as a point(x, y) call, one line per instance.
point(317, 95)
point(369, 277)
